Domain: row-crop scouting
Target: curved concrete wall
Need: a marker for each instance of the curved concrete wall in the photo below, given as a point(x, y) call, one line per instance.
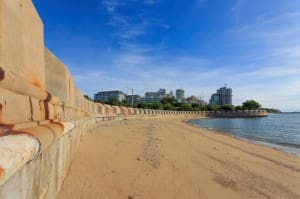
point(238, 114)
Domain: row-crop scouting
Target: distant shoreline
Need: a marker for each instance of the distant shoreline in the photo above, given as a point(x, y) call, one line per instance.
point(296, 112)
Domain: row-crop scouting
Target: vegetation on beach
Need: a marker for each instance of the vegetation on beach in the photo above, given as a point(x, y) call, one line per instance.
point(115, 102)
point(251, 105)
point(170, 103)
point(88, 98)
point(272, 110)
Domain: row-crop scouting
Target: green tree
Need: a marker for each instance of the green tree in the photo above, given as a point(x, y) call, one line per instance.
point(169, 100)
point(156, 105)
point(210, 107)
point(197, 107)
point(144, 105)
point(185, 107)
point(272, 110)
point(238, 108)
point(168, 106)
point(88, 98)
point(124, 103)
point(227, 107)
point(112, 101)
point(251, 105)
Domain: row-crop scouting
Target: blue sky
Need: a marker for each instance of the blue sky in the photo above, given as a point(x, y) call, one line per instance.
point(197, 45)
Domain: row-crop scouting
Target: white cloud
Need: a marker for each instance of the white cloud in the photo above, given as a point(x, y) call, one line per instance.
point(238, 5)
point(133, 25)
point(151, 2)
point(150, 72)
point(136, 48)
point(111, 5)
point(269, 72)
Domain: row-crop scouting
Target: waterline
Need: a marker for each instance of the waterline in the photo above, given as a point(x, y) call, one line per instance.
point(279, 131)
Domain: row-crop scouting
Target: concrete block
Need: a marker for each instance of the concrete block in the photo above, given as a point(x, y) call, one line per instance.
point(15, 108)
point(70, 89)
point(116, 110)
point(78, 96)
point(108, 109)
point(45, 133)
point(137, 111)
point(101, 109)
point(38, 109)
point(56, 82)
point(58, 112)
point(15, 151)
point(48, 178)
point(25, 183)
point(124, 110)
point(22, 41)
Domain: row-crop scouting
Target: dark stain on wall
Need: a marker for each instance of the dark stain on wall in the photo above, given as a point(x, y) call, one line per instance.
point(0, 113)
point(46, 106)
point(2, 74)
point(31, 109)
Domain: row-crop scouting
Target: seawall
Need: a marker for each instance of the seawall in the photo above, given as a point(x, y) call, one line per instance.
point(43, 115)
point(238, 114)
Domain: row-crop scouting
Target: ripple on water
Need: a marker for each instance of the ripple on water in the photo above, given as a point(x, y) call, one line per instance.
point(280, 131)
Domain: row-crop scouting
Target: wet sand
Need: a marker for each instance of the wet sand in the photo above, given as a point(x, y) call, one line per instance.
point(162, 159)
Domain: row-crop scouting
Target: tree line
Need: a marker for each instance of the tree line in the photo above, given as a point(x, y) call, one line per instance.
point(170, 103)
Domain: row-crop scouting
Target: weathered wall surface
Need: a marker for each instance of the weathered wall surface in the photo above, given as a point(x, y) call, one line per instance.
point(238, 114)
point(56, 78)
point(22, 40)
point(43, 175)
point(43, 115)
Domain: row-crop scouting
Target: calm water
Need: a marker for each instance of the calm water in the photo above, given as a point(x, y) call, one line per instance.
point(281, 131)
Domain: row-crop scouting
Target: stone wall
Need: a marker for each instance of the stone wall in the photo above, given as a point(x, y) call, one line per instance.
point(238, 114)
point(22, 41)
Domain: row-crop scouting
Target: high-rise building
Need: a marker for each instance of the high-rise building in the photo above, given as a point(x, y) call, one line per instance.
point(105, 96)
point(222, 97)
point(135, 99)
point(171, 94)
point(180, 95)
point(214, 100)
point(161, 93)
point(154, 96)
point(194, 100)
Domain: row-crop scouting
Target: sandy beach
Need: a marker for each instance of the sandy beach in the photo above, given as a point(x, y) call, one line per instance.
point(169, 159)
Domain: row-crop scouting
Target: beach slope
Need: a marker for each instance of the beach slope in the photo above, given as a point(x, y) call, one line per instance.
point(167, 158)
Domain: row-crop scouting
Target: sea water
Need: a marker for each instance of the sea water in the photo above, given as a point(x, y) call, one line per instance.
point(281, 131)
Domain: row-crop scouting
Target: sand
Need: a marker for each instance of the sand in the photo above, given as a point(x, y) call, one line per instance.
point(162, 159)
